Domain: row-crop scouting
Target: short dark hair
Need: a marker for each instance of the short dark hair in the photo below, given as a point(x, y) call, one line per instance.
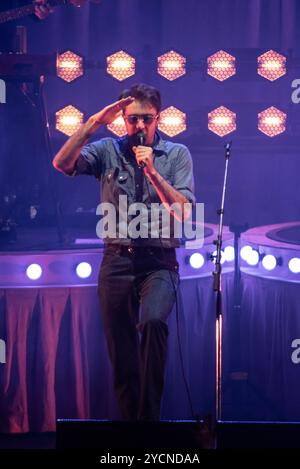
point(143, 93)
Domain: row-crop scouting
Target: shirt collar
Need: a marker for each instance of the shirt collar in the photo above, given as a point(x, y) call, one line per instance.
point(159, 145)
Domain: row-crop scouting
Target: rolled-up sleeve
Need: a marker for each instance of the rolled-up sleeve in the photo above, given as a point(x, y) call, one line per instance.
point(90, 161)
point(183, 174)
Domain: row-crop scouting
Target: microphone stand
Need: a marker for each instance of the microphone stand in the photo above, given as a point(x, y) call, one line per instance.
point(217, 276)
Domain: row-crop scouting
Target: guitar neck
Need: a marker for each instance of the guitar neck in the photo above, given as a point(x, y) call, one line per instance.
point(26, 10)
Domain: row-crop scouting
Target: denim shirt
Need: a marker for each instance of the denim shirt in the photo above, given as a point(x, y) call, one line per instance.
point(112, 163)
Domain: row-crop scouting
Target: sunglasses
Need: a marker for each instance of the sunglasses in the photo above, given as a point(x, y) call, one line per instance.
point(147, 118)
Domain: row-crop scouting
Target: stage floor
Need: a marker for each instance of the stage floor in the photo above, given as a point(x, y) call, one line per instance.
point(230, 435)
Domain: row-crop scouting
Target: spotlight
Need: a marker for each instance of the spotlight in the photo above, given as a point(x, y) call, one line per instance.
point(172, 121)
point(117, 127)
point(269, 262)
point(245, 251)
point(171, 65)
point(83, 270)
point(221, 65)
point(271, 121)
point(294, 265)
point(229, 253)
point(271, 65)
point(34, 271)
point(249, 255)
point(253, 258)
point(222, 121)
point(69, 66)
point(68, 120)
point(196, 260)
point(120, 65)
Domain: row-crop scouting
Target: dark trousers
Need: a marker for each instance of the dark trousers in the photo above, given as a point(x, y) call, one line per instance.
point(136, 291)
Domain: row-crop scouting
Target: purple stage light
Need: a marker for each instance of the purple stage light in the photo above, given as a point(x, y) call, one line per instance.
point(271, 65)
point(269, 262)
point(196, 260)
point(69, 66)
point(68, 120)
point(271, 121)
point(249, 255)
point(171, 65)
point(172, 121)
point(222, 121)
point(84, 270)
point(221, 65)
point(294, 265)
point(120, 65)
point(34, 271)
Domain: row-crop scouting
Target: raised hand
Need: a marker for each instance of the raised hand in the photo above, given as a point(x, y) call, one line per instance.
point(108, 114)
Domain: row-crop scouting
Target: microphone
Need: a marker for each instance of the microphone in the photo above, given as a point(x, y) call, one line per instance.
point(140, 138)
point(141, 141)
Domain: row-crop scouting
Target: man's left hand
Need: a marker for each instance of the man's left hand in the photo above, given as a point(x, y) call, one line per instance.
point(144, 155)
point(42, 9)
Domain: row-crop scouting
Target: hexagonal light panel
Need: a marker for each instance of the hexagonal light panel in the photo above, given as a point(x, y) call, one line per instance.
point(271, 65)
point(221, 65)
point(68, 120)
point(120, 65)
point(222, 121)
point(69, 66)
point(271, 121)
point(172, 121)
point(171, 65)
point(118, 127)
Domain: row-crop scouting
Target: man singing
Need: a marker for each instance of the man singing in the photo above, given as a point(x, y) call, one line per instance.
point(139, 277)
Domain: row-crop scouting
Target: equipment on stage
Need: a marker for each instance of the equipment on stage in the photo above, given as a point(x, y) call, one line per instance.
point(26, 67)
point(26, 10)
point(94, 434)
point(218, 289)
point(26, 73)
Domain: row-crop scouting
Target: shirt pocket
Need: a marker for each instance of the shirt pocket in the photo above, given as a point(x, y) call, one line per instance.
point(123, 178)
point(123, 183)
